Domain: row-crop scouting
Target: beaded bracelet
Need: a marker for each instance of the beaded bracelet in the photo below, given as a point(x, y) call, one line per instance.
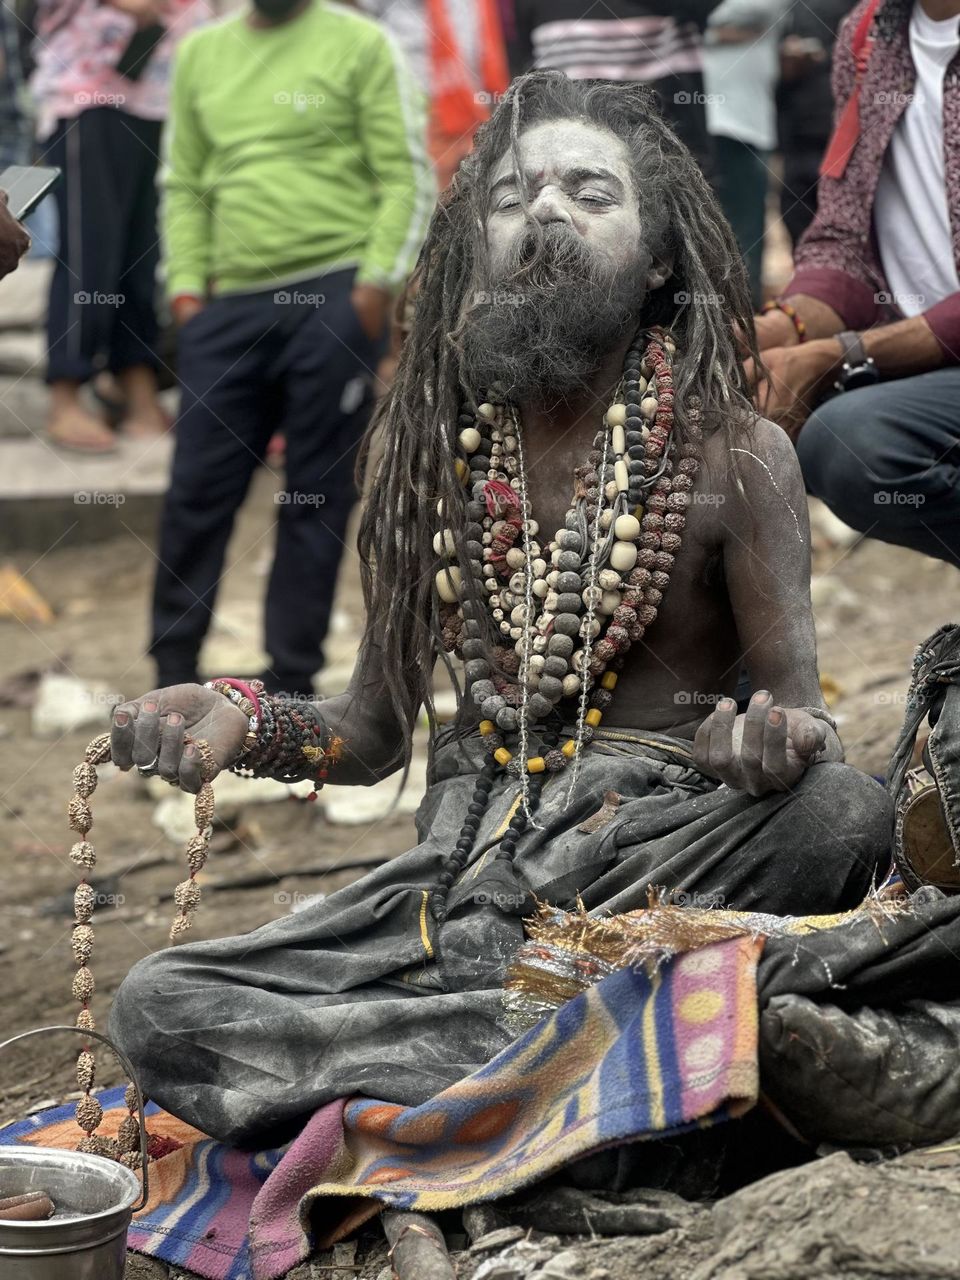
point(778, 304)
point(282, 742)
point(244, 696)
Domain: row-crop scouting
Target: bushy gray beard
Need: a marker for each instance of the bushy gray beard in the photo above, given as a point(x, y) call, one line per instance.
point(543, 329)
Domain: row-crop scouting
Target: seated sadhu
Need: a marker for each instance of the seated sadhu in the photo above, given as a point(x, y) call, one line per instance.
point(577, 501)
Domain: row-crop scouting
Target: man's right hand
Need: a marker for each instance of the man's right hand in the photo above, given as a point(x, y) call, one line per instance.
point(14, 238)
point(184, 308)
point(149, 733)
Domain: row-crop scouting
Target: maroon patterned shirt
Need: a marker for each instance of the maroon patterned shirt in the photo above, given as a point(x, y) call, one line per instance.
point(837, 259)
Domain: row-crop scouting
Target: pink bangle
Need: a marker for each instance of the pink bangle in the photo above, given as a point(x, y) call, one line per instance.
point(245, 690)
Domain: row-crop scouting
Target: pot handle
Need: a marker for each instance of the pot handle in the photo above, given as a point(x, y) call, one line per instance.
point(125, 1062)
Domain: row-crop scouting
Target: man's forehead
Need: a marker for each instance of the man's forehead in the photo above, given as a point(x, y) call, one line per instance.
point(561, 145)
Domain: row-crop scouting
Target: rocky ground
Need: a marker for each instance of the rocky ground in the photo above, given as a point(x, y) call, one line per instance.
point(873, 605)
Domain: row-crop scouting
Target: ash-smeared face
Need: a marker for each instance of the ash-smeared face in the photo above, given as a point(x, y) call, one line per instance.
point(576, 177)
point(566, 278)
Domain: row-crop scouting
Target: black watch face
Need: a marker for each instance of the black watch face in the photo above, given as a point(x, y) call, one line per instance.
point(863, 375)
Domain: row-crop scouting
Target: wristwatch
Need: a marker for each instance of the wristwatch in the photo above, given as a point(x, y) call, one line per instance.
point(857, 368)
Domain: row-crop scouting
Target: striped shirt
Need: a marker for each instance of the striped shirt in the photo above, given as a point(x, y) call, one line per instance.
point(612, 43)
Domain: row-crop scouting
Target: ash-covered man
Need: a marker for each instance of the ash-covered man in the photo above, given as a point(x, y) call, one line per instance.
point(664, 542)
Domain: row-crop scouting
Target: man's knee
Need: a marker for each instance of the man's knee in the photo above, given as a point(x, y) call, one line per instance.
point(132, 1024)
point(835, 457)
point(850, 823)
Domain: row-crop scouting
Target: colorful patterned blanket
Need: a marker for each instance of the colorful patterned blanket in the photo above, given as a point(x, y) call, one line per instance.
point(641, 1054)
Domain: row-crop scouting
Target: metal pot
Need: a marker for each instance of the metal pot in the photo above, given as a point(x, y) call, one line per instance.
point(95, 1199)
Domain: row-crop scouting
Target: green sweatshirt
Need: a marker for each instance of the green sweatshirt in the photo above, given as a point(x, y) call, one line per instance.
point(293, 150)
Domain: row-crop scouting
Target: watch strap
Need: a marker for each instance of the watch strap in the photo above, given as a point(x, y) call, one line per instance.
point(853, 349)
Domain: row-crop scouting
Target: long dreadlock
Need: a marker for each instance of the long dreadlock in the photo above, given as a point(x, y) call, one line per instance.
point(705, 302)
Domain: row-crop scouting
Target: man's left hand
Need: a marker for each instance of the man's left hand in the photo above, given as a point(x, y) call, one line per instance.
point(769, 748)
point(14, 239)
point(797, 377)
point(372, 305)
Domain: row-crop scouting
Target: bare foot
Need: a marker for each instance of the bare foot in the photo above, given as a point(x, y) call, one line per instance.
point(145, 423)
point(71, 426)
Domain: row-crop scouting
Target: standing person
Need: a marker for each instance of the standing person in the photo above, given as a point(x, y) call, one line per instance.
point(16, 133)
point(297, 194)
point(656, 44)
point(101, 89)
point(456, 51)
point(740, 69)
point(805, 105)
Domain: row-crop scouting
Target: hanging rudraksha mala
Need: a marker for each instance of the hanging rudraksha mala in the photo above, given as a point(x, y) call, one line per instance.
point(126, 1146)
point(565, 611)
point(283, 742)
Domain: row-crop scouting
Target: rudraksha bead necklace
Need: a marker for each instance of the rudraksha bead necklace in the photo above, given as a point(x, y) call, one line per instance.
point(598, 584)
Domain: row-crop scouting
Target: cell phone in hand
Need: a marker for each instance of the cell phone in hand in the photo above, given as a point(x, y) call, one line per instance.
point(26, 185)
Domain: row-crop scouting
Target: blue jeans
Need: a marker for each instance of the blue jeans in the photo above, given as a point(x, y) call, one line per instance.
point(886, 460)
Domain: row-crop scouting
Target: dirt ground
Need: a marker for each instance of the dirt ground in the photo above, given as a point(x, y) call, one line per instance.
point(873, 604)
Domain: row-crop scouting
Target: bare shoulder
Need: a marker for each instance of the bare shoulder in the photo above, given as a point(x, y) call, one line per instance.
point(753, 471)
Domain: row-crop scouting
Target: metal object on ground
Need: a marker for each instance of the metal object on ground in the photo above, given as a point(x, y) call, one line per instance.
point(94, 1197)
